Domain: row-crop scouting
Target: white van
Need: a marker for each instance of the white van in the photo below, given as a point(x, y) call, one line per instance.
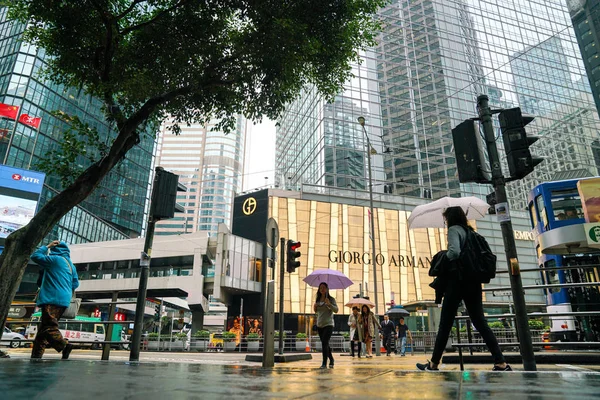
point(74, 330)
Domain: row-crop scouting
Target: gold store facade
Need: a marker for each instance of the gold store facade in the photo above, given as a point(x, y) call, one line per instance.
point(334, 229)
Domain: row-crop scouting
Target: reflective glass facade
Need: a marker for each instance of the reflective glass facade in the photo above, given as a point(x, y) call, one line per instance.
point(116, 209)
point(432, 60)
point(211, 165)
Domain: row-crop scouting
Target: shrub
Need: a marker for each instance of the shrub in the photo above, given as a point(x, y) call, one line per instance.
point(253, 337)
point(496, 325)
point(182, 336)
point(152, 337)
point(203, 334)
point(229, 336)
point(536, 324)
point(346, 335)
point(301, 336)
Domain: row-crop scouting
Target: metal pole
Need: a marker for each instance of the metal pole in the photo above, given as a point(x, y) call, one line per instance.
point(374, 257)
point(160, 323)
point(526, 347)
point(109, 330)
point(268, 323)
point(140, 306)
point(281, 289)
point(171, 336)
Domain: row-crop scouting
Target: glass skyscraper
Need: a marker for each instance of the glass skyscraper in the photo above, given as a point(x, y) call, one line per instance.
point(211, 165)
point(432, 60)
point(117, 208)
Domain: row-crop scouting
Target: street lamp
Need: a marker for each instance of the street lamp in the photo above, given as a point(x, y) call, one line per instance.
point(361, 121)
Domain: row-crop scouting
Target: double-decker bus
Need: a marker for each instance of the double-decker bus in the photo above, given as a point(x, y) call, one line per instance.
point(552, 207)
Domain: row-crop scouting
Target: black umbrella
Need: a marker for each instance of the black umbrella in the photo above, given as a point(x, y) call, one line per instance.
point(397, 312)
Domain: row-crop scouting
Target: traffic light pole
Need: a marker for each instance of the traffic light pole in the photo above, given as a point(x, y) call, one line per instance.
point(525, 345)
point(140, 306)
point(281, 292)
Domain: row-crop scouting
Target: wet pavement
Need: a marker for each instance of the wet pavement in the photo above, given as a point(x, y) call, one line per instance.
point(79, 379)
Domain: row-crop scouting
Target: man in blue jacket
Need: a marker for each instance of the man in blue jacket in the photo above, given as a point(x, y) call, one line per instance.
point(58, 283)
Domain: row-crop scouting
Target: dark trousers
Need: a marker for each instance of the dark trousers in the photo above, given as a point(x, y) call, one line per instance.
point(358, 346)
point(387, 343)
point(48, 333)
point(470, 293)
point(325, 335)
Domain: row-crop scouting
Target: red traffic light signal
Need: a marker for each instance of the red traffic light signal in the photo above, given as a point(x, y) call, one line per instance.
point(292, 255)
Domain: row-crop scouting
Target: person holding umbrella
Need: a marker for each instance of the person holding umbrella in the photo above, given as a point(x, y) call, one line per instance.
point(367, 321)
point(459, 288)
point(324, 307)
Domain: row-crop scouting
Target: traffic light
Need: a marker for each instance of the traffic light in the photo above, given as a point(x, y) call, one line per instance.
point(164, 195)
point(470, 157)
point(157, 312)
point(516, 142)
point(292, 255)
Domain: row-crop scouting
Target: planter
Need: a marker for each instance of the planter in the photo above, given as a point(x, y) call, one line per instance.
point(346, 346)
point(198, 344)
point(153, 345)
point(254, 345)
point(317, 345)
point(301, 345)
point(177, 345)
point(229, 346)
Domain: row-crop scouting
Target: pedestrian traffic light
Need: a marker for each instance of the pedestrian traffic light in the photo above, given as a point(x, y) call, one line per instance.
point(157, 312)
point(516, 142)
point(292, 255)
point(164, 195)
point(469, 153)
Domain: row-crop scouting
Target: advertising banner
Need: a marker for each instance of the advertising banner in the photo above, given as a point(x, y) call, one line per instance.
point(589, 191)
point(20, 191)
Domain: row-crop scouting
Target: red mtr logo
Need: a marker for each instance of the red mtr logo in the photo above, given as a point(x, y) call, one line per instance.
point(16, 177)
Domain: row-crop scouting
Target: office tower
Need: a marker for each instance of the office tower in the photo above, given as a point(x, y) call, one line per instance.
point(211, 165)
point(432, 60)
point(117, 208)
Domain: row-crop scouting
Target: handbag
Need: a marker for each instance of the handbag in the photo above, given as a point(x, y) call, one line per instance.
point(73, 309)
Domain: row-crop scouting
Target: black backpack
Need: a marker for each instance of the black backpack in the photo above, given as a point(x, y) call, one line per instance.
point(476, 258)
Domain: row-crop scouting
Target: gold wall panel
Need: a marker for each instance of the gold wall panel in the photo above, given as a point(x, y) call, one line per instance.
point(337, 236)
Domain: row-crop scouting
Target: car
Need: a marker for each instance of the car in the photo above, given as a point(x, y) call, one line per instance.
point(12, 339)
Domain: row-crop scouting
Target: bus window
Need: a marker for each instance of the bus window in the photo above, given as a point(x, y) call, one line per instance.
point(73, 326)
point(87, 328)
point(62, 325)
point(567, 208)
point(542, 210)
point(533, 215)
point(99, 329)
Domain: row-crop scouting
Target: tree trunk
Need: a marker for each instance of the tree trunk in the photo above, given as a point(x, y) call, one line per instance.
point(21, 244)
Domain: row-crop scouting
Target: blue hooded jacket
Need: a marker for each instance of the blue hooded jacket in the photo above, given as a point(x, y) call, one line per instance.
point(60, 276)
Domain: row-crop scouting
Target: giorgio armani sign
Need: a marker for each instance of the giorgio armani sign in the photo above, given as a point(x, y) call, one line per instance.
point(394, 260)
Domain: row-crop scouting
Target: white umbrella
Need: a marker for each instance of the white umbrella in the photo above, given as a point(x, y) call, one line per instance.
point(430, 215)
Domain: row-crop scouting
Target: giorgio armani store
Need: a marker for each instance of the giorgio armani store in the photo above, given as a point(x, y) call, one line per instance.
point(333, 226)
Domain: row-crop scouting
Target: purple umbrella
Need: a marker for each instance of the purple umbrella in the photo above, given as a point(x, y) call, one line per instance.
point(334, 279)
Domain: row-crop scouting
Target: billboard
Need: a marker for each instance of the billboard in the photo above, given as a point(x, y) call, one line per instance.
point(20, 191)
point(589, 192)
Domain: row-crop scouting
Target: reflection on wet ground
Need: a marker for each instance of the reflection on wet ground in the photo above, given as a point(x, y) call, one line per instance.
point(53, 379)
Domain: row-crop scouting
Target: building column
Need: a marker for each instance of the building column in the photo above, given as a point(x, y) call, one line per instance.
point(197, 320)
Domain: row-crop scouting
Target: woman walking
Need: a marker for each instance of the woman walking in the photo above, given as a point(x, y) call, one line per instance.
point(457, 288)
point(325, 306)
point(355, 333)
point(367, 321)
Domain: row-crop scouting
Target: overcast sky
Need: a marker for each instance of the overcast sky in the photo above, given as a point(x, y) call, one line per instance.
point(260, 155)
